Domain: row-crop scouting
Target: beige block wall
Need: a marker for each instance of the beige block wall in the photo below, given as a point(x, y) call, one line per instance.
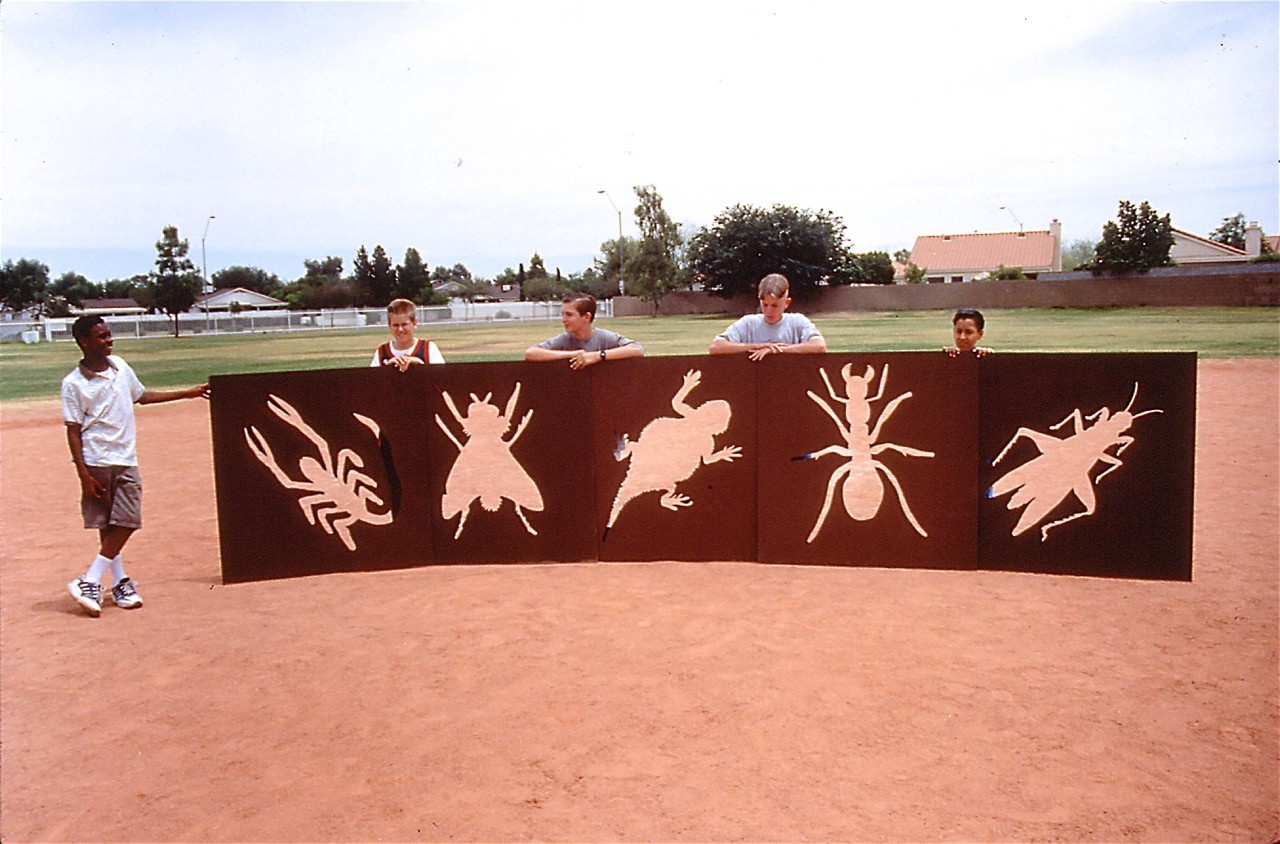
point(1239, 285)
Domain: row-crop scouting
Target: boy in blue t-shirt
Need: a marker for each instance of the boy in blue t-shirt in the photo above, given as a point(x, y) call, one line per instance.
point(773, 330)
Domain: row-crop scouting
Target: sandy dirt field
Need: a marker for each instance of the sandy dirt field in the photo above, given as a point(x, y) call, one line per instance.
point(635, 702)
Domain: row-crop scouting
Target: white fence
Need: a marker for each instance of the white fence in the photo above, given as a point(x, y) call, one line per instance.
point(160, 325)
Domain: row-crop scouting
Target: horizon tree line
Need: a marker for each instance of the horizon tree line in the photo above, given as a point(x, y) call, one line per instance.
point(726, 259)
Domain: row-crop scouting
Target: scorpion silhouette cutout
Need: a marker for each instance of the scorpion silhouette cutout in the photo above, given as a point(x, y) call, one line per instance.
point(863, 491)
point(485, 470)
point(669, 450)
point(341, 495)
point(1064, 464)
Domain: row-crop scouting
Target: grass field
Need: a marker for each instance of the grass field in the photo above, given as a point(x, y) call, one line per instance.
point(29, 372)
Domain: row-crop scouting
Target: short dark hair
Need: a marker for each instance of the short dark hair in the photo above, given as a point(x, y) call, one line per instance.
point(970, 313)
point(583, 303)
point(81, 327)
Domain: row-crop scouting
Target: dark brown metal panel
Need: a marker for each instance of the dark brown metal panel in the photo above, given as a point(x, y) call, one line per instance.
point(689, 426)
point(1141, 520)
point(314, 470)
point(520, 488)
point(925, 402)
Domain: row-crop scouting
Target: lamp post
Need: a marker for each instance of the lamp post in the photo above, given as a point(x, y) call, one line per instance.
point(1014, 216)
point(622, 284)
point(204, 272)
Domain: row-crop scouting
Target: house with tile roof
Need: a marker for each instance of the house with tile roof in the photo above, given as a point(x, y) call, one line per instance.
point(109, 307)
point(949, 258)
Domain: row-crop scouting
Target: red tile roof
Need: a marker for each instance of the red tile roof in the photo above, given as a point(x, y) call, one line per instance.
point(945, 253)
point(102, 304)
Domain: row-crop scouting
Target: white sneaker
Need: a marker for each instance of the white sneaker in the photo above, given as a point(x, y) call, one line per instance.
point(125, 596)
point(87, 595)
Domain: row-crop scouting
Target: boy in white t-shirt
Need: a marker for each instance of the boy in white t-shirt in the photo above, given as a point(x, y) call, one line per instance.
point(97, 407)
point(403, 349)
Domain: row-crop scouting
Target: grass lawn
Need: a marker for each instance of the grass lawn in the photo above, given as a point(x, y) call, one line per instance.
point(35, 371)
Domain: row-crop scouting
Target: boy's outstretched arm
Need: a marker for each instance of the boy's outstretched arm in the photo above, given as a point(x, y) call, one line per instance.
point(200, 391)
point(537, 353)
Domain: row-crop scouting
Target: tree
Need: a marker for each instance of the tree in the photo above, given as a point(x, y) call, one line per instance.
point(470, 289)
point(1139, 241)
point(902, 256)
point(460, 280)
point(1231, 232)
point(610, 268)
point(175, 284)
point(75, 288)
point(1078, 254)
point(362, 275)
point(537, 269)
point(458, 273)
point(136, 287)
point(873, 268)
point(322, 286)
point(250, 278)
point(1003, 273)
point(745, 243)
point(330, 267)
point(652, 271)
point(70, 290)
point(171, 254)
point(411, 277)
point(915, 274)
point(384, 278)
point(543, 288)
point(22, 283)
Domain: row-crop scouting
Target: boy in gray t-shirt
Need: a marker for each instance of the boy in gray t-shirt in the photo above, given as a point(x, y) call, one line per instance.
point(772, 331)
point(582, 344)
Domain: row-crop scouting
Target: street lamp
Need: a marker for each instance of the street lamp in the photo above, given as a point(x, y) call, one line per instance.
point(1014, 216)
point(622, 284)
point(204, 271)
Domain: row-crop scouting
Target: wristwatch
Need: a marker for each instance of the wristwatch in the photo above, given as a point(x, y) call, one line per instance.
point(603, 356)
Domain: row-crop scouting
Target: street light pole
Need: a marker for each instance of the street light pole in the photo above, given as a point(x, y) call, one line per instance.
point(1014, 216)
point(204, 271)
point(622, 284)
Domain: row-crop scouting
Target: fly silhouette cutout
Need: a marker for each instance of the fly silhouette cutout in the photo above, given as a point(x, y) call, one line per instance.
point(486, 471)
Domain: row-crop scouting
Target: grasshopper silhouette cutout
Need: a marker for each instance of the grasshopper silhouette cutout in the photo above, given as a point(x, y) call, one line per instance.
point(1063, 466)
point(341, 495)
point(863, 491)
point(669, 450)
point(485, 470)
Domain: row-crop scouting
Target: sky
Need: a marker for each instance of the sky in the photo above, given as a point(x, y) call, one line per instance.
point(481, 132)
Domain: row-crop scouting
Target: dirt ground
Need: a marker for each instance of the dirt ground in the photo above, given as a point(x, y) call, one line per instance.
point(635, 702)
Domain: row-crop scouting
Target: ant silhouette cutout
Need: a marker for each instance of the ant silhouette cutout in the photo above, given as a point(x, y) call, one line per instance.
point(341, 495)
point(669, 450)
point(485, 470)
point(863, 491)
point(1063, 465)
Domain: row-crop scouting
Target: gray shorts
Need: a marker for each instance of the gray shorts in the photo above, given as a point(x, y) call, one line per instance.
point(121, 506)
